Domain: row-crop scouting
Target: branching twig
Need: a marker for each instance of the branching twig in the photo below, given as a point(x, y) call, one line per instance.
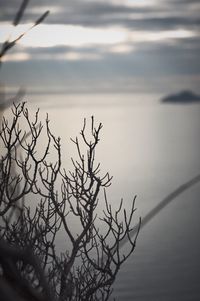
point(51, 198)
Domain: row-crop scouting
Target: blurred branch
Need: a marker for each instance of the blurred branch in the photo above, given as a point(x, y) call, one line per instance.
point(7, 45)
point(5, 103)
point(10, 256)
point(20, 12)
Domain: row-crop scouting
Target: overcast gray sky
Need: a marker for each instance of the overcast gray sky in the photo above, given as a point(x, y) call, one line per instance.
point(111, 45)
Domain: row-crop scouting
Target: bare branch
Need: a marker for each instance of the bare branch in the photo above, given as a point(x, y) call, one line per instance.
point(38, 202)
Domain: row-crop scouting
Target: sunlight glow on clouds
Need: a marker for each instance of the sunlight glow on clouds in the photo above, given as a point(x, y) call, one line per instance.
point(140, 3)
point(121, 48)
point(68, 35)
point(37, 9)
point(70, 56)
point(160, 36)
point(134, 3)
point(116, 40)
point(13, 57)
point(47, 35)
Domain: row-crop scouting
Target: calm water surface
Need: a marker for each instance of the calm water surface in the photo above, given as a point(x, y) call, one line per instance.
point(150, 149)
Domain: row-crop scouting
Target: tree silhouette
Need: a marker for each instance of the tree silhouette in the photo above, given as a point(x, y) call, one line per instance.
point(38, 204)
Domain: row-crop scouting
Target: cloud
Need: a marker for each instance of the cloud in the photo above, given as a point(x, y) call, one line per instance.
point(124, 75)
point(156, 40)
point(49, 35)
point(160, 15)
point(16, 57)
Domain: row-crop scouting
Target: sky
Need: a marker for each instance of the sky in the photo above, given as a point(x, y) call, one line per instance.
point(139, 46)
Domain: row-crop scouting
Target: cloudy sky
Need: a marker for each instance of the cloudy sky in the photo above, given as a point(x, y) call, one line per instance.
point(103, 46)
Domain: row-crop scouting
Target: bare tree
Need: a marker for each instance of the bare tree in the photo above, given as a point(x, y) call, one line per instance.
point(51, 198)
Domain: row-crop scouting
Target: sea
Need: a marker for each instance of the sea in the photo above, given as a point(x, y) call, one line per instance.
point(151, 149)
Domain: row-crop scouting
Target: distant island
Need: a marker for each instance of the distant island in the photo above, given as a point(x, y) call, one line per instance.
point(182, 97)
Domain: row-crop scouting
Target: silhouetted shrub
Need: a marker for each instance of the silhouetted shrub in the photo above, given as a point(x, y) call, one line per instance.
point(38, 201)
